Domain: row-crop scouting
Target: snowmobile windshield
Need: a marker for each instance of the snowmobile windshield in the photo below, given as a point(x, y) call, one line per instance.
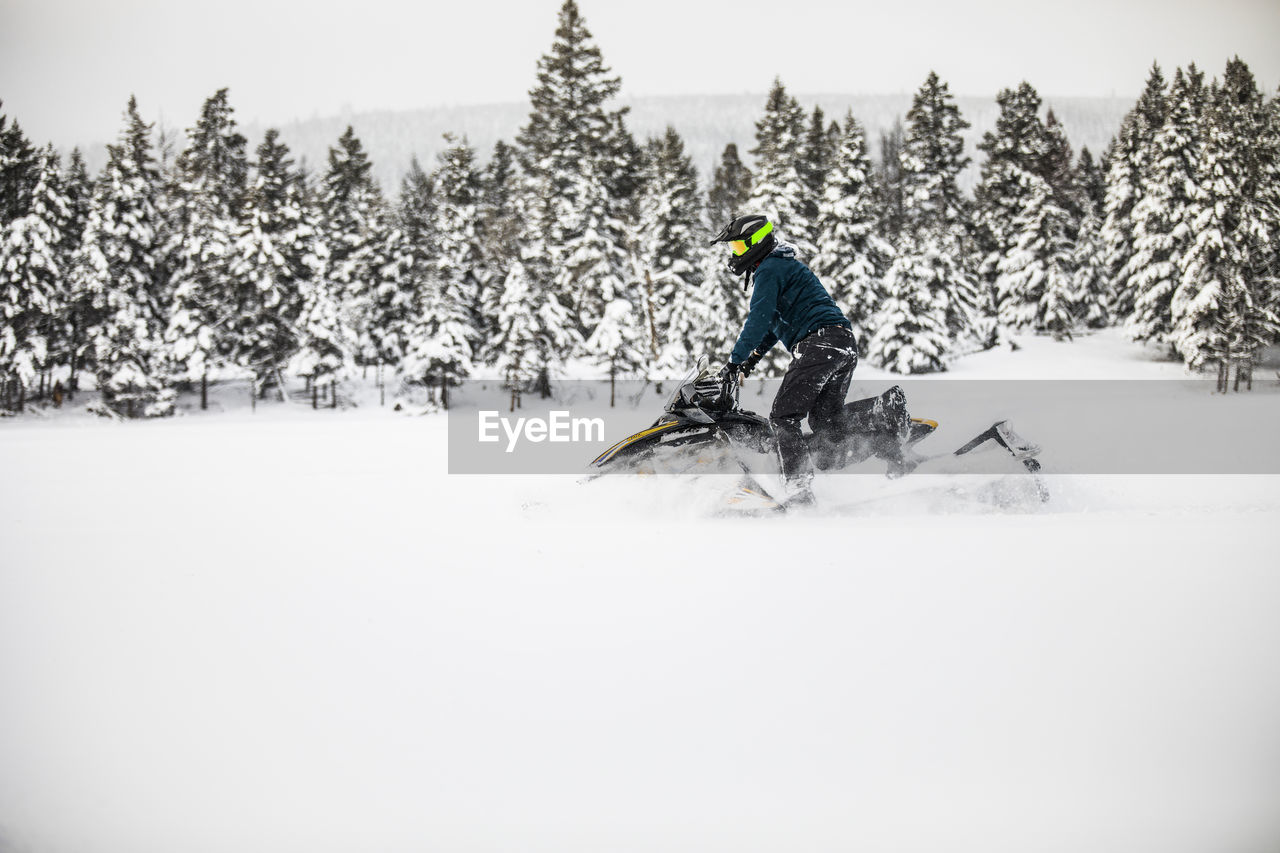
point(680, 397)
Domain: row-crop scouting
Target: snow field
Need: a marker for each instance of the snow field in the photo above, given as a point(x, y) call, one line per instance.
point(294, 631)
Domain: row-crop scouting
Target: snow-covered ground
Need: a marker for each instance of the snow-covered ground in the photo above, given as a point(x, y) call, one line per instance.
point(293, 630)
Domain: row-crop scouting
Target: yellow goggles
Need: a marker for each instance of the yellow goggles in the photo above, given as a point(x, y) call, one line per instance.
point(740, 247)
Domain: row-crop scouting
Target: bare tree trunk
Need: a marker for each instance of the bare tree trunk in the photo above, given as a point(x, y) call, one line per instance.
point(653, 323)
point(613, 373)
point(382, 389)
point(444, 389)
point(333, 394)
point(1222, 376)
point(204, 390)
point(314, 393)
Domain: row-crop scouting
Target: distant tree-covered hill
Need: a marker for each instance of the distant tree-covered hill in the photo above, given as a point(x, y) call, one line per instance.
point(706, 122)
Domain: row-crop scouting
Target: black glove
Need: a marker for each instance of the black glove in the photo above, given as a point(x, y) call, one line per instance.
point(729, 373)
point(751, 362)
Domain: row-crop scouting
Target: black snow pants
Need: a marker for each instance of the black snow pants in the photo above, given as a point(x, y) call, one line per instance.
point(814, 386)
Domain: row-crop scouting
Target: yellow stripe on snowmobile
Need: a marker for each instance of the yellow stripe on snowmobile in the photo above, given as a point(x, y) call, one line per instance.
point(608, 454)
point(933, 424)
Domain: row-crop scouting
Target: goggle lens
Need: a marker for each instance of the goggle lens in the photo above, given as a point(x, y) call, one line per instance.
point(739, 246)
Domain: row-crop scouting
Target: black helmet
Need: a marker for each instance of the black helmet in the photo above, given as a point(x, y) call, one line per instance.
point(751, 238)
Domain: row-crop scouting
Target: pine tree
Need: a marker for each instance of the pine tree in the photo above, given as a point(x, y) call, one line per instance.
point(326, 342)
point(1129, 160)
point(778, 191)
point(459, 252)
point(274, 253)
point(570, 153)
point(730, 190)
point(117, 273)
point(1058, 168)
point(516, 332)
point(19, 163)
point(1250, 119)
point(415, 253)
point(500, 227)
point(727, 200)
point(888, 183)
point(1162, 227)
point(617, 342)
point(665, 260)
point(1091, 186)
point(213, 171)
point(1211, 304)
point(1036, 284)
point(1090, 283)
point(817, 153)
point(912, 336)
point(77, 189)
point(932, 158)
point(354, 223)
point(852, 257)
point(1016, 151)
point(31, 281)
point(934, 213)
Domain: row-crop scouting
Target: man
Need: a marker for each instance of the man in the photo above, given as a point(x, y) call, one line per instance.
point(790, 305)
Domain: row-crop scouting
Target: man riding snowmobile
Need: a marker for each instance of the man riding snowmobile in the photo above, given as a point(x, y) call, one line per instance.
point(791, 306)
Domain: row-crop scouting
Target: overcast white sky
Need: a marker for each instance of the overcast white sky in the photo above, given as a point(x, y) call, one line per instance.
point(67, 67)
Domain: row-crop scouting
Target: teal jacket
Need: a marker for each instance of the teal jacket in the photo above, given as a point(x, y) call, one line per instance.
point(788, 304)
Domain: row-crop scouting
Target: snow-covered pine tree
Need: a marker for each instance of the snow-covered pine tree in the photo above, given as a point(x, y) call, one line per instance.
point(778, 191)
point(274, 253)
point(912, 334)
point(618, 343)
point(515, 333)
point(1216, 317)
point(934, 212)
point(117, 273)
point(665, 251)
point(730, 189)
point(852, 257)
point(1251, 120)
point(1090, 283)
point(326, 343)
point(1016, 152)
point(459, 256)
point(817, 152)
point(213, 170)
point(77, 189)
point(569, 154)
point(32, 284)
point(1128, 161)
point(726, 200)
point(18, 167)
point(1162, 218)
point(414, 254)
point(932, 158)
point(1035, 288)
point(1091, 183)
point(353, 231)
point(500, 228)
point(888, 183)
point(1058, 168)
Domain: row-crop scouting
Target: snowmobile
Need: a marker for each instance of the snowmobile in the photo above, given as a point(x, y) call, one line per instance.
point(704, 428)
